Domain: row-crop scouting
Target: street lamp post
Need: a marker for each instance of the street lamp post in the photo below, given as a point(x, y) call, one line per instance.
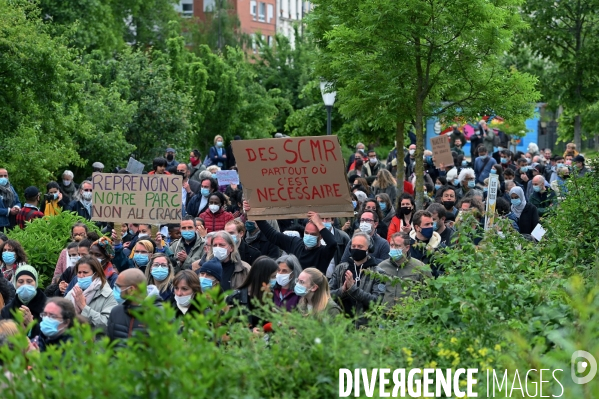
point(328, 97)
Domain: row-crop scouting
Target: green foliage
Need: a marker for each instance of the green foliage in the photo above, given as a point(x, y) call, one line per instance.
point(44, 239)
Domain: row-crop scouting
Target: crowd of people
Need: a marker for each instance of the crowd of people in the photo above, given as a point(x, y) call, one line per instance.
point(319, 266)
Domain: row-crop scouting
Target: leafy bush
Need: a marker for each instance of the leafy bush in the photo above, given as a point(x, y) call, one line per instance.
point(43, 239)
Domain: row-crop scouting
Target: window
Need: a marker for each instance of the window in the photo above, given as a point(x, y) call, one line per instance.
point(253, 38)
point(208, 5)
point(187, 9)
point(262, 12)
point(270, 14)
point(270, 41)
point(253, 8)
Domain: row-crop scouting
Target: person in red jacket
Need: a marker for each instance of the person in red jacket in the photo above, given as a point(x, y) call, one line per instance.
point(215, 218)
point(402, 221)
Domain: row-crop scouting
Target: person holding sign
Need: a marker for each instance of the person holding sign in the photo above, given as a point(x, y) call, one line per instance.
point(308, 251)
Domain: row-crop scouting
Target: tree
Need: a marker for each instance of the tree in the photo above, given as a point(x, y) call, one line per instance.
point(393, 61)
point(566, 33)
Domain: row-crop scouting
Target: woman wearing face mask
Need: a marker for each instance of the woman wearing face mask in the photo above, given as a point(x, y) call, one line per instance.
point(262, 275)
point(103, 251)
point(92, 296)
point(387, 209)
point(288, 271)
point(313, 289)
point(160, 272)
point(79, 232)
point(402, 221)
point(186, 287)
point(216, 218)
point(467, 182)
point(235, 270)
point(385, 183)
point(67, 185)
point(58, 316)
point(218, 154)
point(139, 258)
point(527, 214)
point(29, 301)
point(13, 255)
point(59, 201)
point(58, 288)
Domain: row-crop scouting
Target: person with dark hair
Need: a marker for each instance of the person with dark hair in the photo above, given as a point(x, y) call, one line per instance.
point(236, 229)
point(387, 209)
point(159, 167)
point(13, 255)
point(55, 200)
point(198, 204)
point(58, 316)
point(402, 221)
point(103, 251)
point(186, 287)
point(7, 291)
point(262, 274)
point(256, 239)
point(61, 282)
point(9, 201)
point(379, 248)
point(439, 218)
point(190, 247)
point(425, 241)
point(30, 210)
point(195, 165)
point(447, 197)
point(82, 202)
point(189, 188)
point(216, 217)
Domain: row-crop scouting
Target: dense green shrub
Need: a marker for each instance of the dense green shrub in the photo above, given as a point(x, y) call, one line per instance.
point(43, 239)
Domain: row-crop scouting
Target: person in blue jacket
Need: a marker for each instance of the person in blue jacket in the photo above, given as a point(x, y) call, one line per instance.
point(218, 153)
point(9, 202)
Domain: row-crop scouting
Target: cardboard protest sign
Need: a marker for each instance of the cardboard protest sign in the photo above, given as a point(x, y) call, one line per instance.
point(491, 201)
point(227, 177)
point(286, 178)
point(135, 167)
point(441, 151)
point(136, 198)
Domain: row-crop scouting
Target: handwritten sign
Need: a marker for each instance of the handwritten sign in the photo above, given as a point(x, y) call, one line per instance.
point(288, 177)
point(135, 167)
point(441, 151)
point(227, 177)
point(136, 198)
point(491, 201)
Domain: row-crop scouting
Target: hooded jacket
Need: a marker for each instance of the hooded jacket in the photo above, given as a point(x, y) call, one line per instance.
point(216, 221)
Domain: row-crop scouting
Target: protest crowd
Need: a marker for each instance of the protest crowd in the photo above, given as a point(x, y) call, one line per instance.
point(323, 267)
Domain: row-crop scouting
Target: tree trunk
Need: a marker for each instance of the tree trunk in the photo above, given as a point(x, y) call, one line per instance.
point(401, 171)
point(578, 133)
point(419, 187)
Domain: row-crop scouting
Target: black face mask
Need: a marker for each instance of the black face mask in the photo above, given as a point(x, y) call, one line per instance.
point(170, 157)
point(448, 204)
point(405, 210)
point(358, 254)
point(180, 173)
point(359, 162)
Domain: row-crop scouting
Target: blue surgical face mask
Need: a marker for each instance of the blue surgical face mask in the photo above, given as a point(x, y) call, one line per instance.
point(9, 257)
point(235, 239)
point(427, 232)
point(159, 273)
point(85, 282)
point(219, 143)
point(503, 160)
point(300, 290)
point(464, 163)
point(435, 227)
point(516, 201)
point(354, 203)
point(3, 181)
point(214, 176)
point(383, 206)
point(310, 240)
point(471, 184)
point(537, 189)
point(456, 182)
point(206, 283)
point(328, 225)
point(250, 227)
point(524, 169)
point(560, 165)
point(493, 172)
point(49, 327)
point(437, 186)
point(188, 234)
point(485, 189)
point(395, 254)
point(131, 232)
point(116, 293)
point(26, 293)
point(141, 259)
point(205, 192)
point(272, 283)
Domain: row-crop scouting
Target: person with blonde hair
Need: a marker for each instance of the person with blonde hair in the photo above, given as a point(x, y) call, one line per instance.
point(385, 183)
point(218, 154)
point(160, 273)
point(313, 288)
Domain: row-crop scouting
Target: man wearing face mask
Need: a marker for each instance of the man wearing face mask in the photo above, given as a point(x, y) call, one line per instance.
point(372, 167)
point(425, 241)
point(353, 288)
point(256, 239)
point(237, 231)
point(189, 187)
point(30, 209)
point(82, 205)
point(483, 165)
point(401, 266)
point(170, 157)
point(410, 160)
point(190, 247)
point(379, 250)
point(342, 241)
point(439, 226)
point(543, 197)
point(198, 203)
point(308, 250)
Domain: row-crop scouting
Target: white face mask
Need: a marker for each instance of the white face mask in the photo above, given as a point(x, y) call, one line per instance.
point(372, 160)
point(73, 260)
point(87, 196)
point(184, 300)
point(220, 253)
point(283, 279)
point(365, 227)
point(412, 152)
point(214, 208)
point(143, 236)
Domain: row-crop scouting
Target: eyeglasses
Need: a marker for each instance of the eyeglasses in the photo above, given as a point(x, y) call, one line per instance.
point(89, 190)
point(366, 221)
point(52, 316)
point(159, 265)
